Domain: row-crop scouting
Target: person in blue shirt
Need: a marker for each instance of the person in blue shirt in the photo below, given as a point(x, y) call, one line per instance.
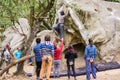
point(18, 53)
point(38, 57)
point(47, 52)
point(90, 55)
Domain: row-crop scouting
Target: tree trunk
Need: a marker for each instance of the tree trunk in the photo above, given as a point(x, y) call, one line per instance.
point(27, 43)
point(20, 69)
point(31, 16)
point(26, 48)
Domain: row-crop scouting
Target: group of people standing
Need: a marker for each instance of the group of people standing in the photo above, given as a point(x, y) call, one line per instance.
point(44, 53)
point(6, 56)
point(47, 53)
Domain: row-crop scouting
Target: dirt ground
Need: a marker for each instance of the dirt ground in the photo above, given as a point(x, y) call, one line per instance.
point(105, 75)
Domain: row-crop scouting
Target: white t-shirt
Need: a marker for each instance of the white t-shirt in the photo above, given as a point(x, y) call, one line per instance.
point(7, 55)
point(60, 18)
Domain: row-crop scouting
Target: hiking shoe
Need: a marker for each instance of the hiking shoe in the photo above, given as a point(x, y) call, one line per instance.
point(58, 76)
point(0, 68)
point(75, 79)
point(68, 79)
point(38, 78)
point(94, 77)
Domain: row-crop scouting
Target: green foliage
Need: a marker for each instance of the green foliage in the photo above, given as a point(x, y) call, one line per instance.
point(11, 10)
point(113, 0)
point(116, 0)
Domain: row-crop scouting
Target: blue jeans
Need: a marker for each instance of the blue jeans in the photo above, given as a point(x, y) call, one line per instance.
point(60, 29)
point(90, 67)
point(73, 70)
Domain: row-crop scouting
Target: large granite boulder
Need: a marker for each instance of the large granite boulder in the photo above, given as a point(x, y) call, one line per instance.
point(15, 35)
point(96, 19)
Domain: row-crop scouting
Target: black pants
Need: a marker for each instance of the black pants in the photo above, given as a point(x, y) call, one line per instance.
point(73, 70)
point(60, 29)
point(38, 68)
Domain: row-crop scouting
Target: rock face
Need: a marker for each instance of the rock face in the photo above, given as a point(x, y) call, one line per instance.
point(94, 19)
point(15, 34)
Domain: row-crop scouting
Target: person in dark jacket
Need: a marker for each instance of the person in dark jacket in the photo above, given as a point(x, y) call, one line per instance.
point(70, 55)
point(38, 57)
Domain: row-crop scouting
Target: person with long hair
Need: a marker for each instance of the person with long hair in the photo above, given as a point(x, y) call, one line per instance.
point(70, 56)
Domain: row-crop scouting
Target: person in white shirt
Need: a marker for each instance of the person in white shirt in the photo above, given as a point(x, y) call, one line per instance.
point(7, 58)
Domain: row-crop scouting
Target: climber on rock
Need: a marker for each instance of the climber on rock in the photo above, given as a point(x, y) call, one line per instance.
point(59, 27)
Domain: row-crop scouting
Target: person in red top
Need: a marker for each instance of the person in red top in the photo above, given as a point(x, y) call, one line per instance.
point(57, 58)
point(7, 46)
